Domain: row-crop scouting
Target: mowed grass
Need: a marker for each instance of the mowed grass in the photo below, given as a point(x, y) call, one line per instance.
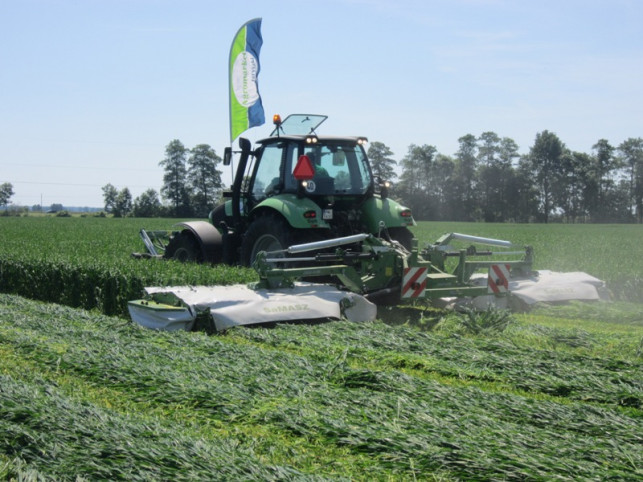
point(84, 395)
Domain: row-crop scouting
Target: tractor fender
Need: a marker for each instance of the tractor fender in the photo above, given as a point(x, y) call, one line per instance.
point(376, 210)
point(208, 237)
point(292, 209)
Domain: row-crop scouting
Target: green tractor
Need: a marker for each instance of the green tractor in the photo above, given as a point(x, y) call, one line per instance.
point(294, 187)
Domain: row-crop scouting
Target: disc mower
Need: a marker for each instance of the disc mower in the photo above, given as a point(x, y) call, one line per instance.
point(359, 272)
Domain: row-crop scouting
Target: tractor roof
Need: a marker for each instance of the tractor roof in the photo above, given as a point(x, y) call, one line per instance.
point(299, 127)
point(300, 138)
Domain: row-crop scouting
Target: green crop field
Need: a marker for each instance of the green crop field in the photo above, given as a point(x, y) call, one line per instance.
point(86, 262)
point(555, 394)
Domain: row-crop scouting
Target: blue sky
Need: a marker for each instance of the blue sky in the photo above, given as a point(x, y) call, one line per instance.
point(92, 91)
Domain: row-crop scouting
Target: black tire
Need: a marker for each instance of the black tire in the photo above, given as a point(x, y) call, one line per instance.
point(402, 235)
point(266, 233)
point(184, 247)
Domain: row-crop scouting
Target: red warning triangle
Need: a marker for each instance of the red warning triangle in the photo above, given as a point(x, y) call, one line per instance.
point(304, 169)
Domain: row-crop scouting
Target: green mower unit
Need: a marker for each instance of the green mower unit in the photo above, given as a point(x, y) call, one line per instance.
point(347, 277)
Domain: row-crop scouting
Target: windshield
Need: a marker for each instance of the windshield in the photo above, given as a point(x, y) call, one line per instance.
point(299, 124)
point(340, 168)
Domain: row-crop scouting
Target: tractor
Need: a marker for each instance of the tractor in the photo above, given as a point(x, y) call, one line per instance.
point(294, 187)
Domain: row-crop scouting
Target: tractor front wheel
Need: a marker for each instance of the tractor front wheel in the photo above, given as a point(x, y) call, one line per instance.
point(266, 233)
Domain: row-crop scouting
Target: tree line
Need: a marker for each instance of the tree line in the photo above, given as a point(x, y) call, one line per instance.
point(191, 186)
point(485, 180)
point(488, 180)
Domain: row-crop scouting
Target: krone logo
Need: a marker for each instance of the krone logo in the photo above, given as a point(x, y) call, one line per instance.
point(244, 79)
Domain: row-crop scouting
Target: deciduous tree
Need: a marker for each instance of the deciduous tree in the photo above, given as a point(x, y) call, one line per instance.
point(204, 179)
point(110, 193)
point(123, 204)
point(147, 205)
point(414, 185)
point(6, 192)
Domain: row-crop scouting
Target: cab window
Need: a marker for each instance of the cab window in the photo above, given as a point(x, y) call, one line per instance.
point(267, 173)
point(340, 168)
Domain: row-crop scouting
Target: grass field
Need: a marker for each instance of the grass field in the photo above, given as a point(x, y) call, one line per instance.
point(557, 394)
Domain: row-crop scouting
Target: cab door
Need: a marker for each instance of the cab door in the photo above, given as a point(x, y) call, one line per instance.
point(267, 176)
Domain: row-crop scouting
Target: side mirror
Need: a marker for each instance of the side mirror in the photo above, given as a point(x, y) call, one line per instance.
point(227, 156)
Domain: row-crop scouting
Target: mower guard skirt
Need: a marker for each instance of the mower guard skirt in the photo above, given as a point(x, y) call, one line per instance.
point(541, 286)
point(241, 305)
point(551, 287)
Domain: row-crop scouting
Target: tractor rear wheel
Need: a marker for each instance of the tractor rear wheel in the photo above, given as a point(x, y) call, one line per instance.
point(402, 235)
point(184, 247)
point(266, 233)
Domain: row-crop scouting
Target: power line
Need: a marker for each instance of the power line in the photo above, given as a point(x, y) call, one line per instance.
point(97, 168)
point(72, 184)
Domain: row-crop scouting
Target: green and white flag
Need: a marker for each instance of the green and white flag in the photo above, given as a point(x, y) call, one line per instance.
point(246, 109)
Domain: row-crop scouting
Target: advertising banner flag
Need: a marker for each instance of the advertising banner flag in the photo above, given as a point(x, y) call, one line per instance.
point(246, 109)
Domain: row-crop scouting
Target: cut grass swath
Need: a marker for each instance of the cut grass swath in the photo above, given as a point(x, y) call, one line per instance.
point(333, 385)
point(64, 440)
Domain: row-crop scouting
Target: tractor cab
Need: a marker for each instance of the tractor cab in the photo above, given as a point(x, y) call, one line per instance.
point(297, 186)
point(294, 159)
point(310, 166)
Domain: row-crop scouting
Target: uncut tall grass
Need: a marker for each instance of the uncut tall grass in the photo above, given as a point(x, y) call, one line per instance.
point(87, 262)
